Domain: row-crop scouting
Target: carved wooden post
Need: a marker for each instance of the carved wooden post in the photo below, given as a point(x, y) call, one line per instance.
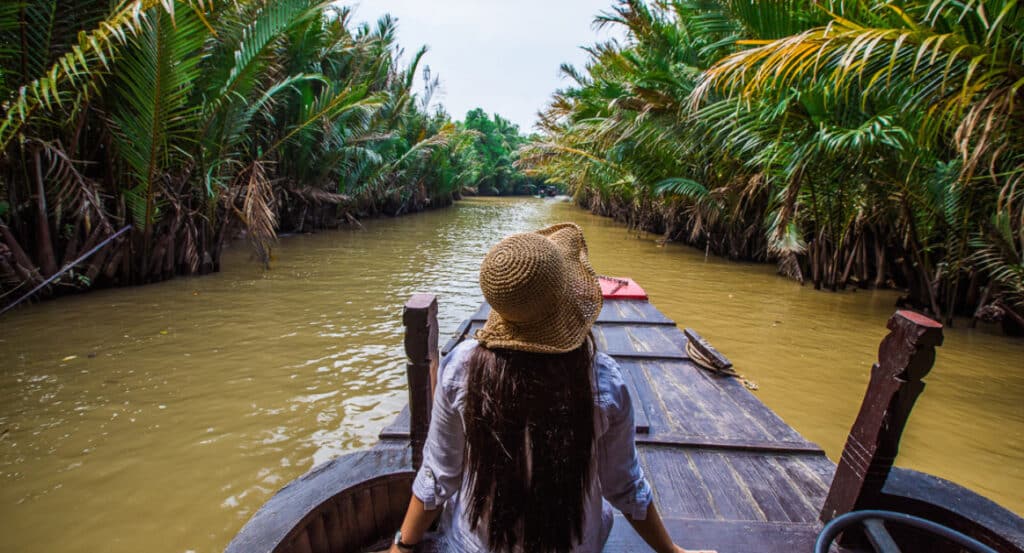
point(420, 320)
point(904, 358)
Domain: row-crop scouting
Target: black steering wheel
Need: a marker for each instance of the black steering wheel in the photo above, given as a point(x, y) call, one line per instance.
point(874, 521)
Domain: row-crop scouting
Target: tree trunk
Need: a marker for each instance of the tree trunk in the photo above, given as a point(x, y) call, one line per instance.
point(862, 263)
point(23, 263)
point(72, 245)
point(849, 263)
point(815, 264)
point(879, 262)
point(47, 259)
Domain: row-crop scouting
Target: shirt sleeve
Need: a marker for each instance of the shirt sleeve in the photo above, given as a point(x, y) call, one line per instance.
point(622, 478)
point(440, 475)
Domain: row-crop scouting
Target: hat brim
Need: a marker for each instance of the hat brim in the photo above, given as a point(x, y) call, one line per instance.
point(567, 325)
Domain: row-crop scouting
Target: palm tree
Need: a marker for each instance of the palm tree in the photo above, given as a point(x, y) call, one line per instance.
point(852, 143)
point(193, 120)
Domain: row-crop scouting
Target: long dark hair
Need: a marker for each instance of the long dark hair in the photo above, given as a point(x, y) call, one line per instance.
point(529, 438)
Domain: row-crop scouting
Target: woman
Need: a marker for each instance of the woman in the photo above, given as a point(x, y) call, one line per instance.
point(531, 427)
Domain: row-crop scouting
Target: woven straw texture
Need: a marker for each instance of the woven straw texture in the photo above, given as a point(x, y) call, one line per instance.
point(544, 294)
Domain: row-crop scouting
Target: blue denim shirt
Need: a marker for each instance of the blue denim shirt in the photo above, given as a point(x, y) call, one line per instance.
point(620, 479)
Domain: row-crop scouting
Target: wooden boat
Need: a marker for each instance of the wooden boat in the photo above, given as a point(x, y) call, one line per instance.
point(727, 472)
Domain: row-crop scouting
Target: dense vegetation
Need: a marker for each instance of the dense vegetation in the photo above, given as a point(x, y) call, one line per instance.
point(493, 154)
point(195, 122)
point(853, 143)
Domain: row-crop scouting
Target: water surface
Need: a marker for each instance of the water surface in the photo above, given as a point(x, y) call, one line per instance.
point(160, 418)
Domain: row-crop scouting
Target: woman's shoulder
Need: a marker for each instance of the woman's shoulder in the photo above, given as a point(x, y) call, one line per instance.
point(452, 371)
point(609, 383)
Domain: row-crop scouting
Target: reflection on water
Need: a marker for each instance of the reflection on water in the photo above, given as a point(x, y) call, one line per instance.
point(160, 418)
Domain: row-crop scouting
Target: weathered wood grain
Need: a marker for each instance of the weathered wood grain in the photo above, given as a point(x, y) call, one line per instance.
point(679, 487)
point(705, 442)
point(934, 498)
point(718, 361)
point(904, 358)
point(421, 330)
point(641, 422)
point(723, 536)
point(285, 517)
point(398, 429)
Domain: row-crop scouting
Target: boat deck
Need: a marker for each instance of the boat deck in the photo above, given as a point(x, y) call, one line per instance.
point(727, 472)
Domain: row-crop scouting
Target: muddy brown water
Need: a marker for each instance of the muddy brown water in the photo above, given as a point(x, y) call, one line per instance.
point(160, 418)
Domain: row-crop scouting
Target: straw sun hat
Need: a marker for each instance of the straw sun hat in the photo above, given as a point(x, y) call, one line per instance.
point(544, 294)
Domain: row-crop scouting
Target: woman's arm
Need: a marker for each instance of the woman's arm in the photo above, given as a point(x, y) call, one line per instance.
point(653, 531)
point(417, 521)
point(440, 475)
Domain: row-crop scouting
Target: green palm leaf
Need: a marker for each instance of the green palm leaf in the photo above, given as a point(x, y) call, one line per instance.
point(154, 119)
point(74, 70)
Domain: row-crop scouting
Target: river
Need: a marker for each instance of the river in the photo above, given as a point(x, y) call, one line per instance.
point(159, 418)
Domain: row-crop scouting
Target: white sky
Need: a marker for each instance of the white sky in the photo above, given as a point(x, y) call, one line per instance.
point(500, 55)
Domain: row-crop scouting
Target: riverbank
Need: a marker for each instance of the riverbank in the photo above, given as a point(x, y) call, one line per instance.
point(313, 214)
point(166, 414)
point(674, 224)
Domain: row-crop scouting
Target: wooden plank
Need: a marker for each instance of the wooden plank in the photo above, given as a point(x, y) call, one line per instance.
point(655, 355)
point(798, 506)
point(640, 420)
point(770, 495)
point(706, 442)
point(678, 486)
point(808, 475)
point(335, 532)
point(301, 543)
point(421, 329)
point(362, 513)
point(399, 428)
point(475, 326)
point(318, 534)
point(723, 536)
point(457, 337)
point(634, 321)
point(701, 403)
point(381, 507)
point(652, 405)
point(657, 338)
point(754, 411)
point(349, 526)
point(687, 401)
point(399, 494)
point(717, 360)
point(614, 338)
point(730, 496)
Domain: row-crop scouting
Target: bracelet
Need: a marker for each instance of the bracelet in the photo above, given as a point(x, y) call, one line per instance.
point(401, 545)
